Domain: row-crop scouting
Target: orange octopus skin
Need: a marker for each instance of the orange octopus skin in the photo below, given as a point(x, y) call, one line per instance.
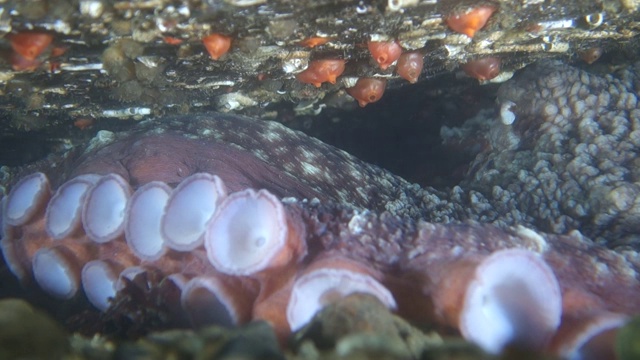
point(483, 69)
point(30, 44)
point(410, 66)
point(320, 71)
point(470, 21)
point(384, 52)
point(217, 45)
point(367, 90)
point(595, 282)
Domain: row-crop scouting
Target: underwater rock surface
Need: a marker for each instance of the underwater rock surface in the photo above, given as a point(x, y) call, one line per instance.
point(78, 62)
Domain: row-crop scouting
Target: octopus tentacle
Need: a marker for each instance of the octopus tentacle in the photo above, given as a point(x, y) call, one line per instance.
point(508, 297)
point(327, 279)
point(143, 225)
point(189, 208)
point(315, 206)
point(63, 214)
point(103, 212)
point(27, 199)
point(216, 298)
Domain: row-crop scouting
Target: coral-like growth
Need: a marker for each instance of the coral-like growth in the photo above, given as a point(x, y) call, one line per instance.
point(470, 21)
point(320, 71)
point(367, 90)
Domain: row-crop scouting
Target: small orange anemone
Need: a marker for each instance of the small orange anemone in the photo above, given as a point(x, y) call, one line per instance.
point(20, 63)
point(320, 71)
point(470, 21)
point(217, 45)
point(384, 52)
point(483, 69)
point(171, 40)
point(367, 90)
point(30, 44)
point(58, 51)
point(314, 41)
point(84, 123)
point(410, 66)
point(591, 55)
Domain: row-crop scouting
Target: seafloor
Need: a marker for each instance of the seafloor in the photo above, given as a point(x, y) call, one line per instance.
point(115, 64)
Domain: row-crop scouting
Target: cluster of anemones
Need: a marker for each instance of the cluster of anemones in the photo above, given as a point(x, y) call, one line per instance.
point(409, 65)
point(243, 256)
point(29, 45)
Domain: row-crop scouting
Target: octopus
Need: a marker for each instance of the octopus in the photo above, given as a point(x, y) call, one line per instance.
point(244, 220)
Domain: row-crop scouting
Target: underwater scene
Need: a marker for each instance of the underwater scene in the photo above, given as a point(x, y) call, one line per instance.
point(326, 179)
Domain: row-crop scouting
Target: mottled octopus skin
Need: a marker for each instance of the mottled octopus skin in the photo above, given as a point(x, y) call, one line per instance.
point(397, 249)
point(248, 153)
point(373, 217)
point(570, 158)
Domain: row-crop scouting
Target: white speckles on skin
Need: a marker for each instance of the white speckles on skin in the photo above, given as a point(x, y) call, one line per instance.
point(507, 116)
point(357, 223)
point(603, 99)
point(289, 167)
point(541, 244)
point(343, 194)
point(590, 100)
point(261, 154)
point(281, 150)
point(585, 129)
point(273, 136)
point(307, 155)
point(579, 107)
point(601, 268)
point(310, 169)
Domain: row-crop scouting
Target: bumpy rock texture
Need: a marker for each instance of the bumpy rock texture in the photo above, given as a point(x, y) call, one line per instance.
point(570, 158)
